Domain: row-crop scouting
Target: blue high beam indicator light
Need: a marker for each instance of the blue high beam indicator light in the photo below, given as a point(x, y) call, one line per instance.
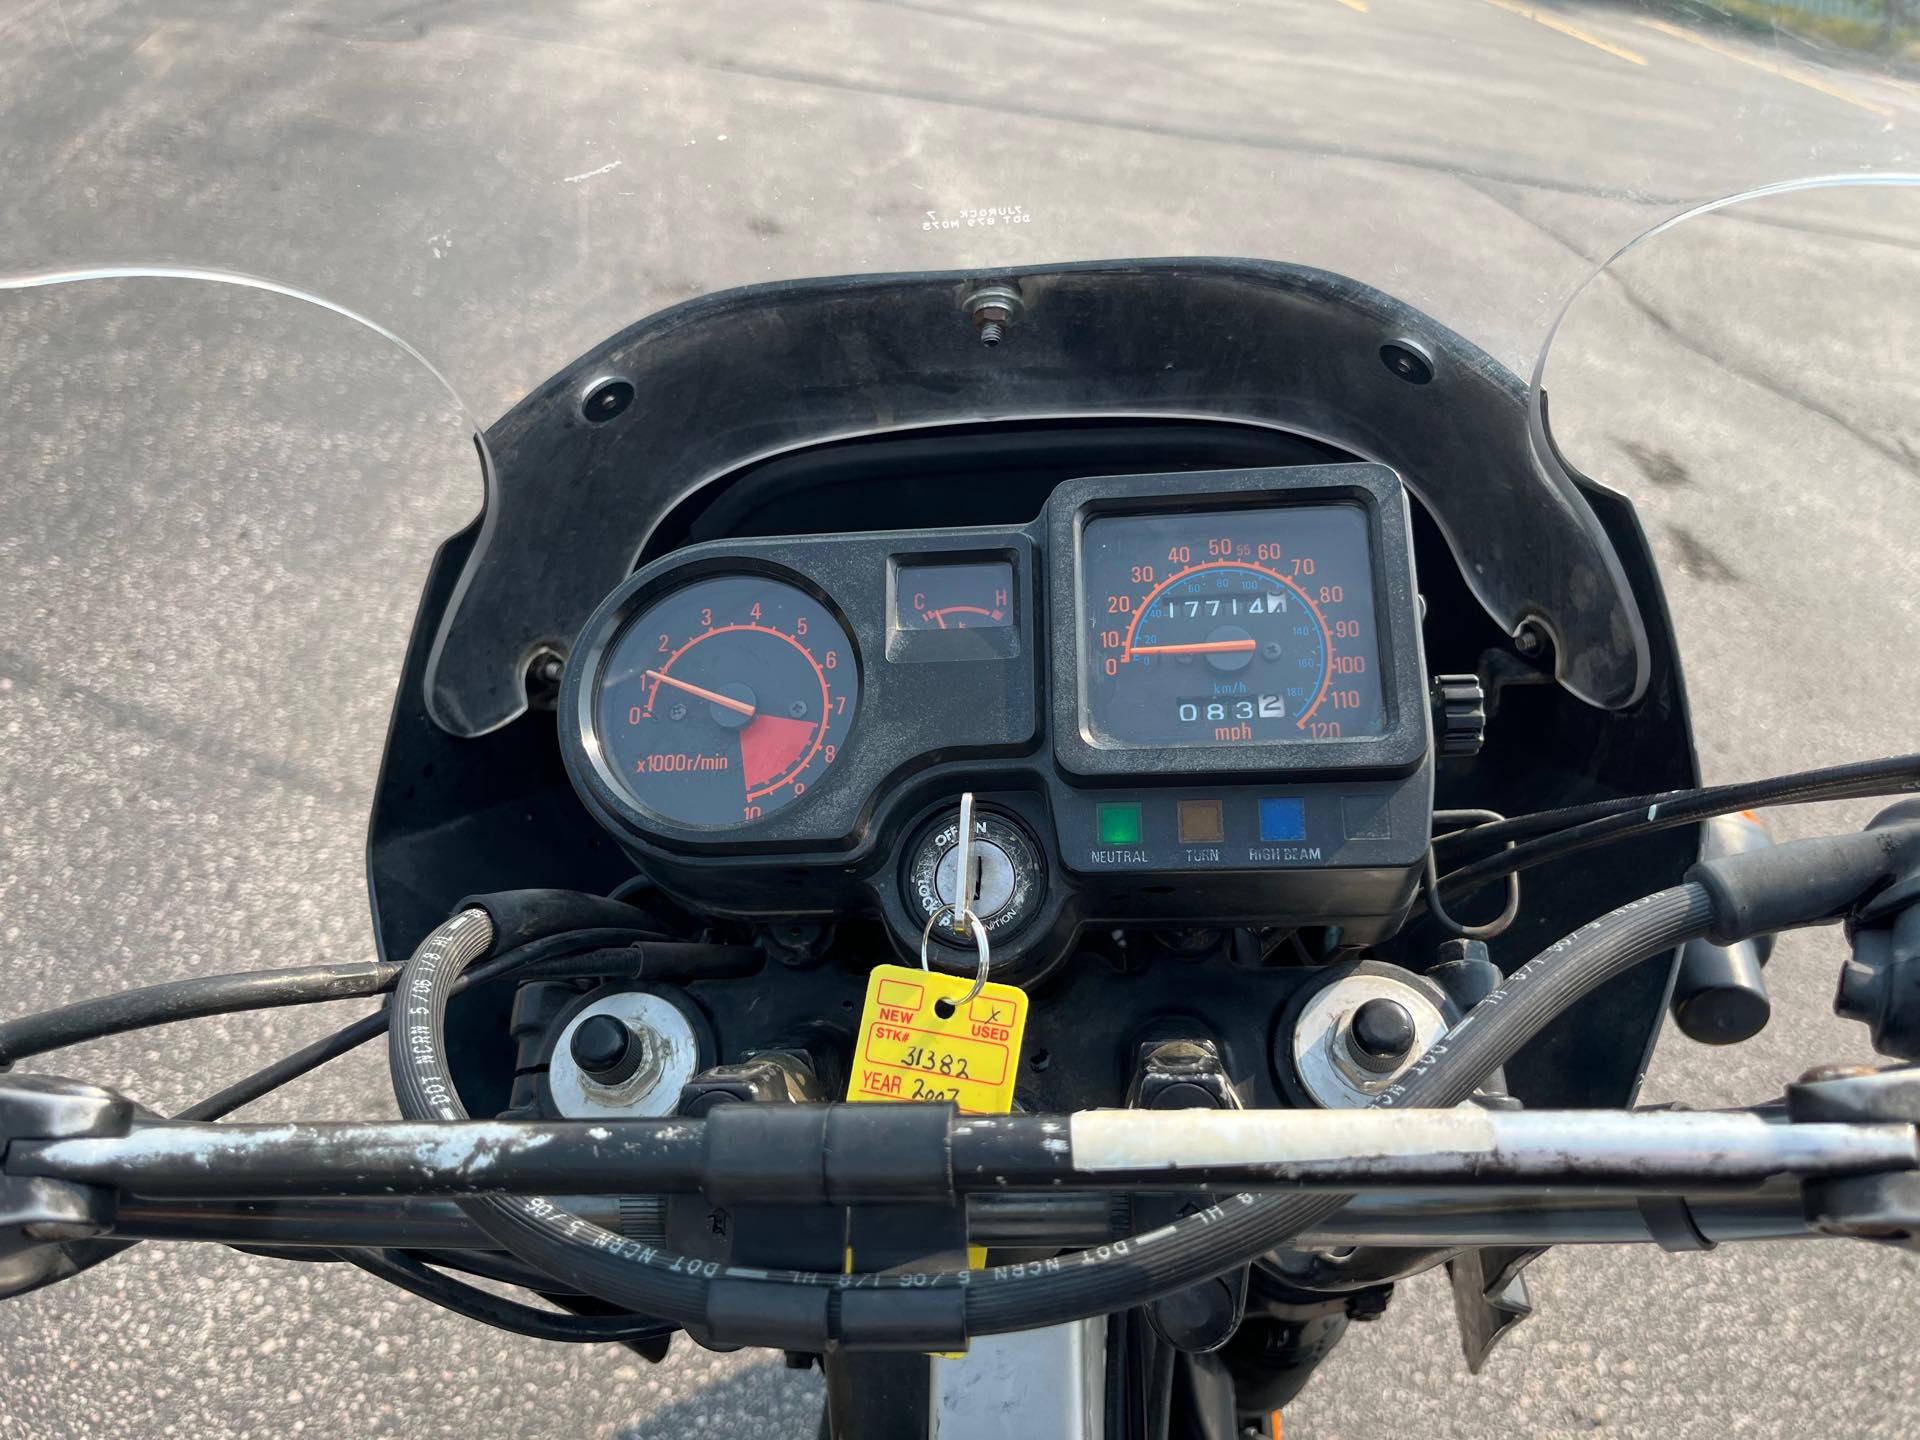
point(1283, 817)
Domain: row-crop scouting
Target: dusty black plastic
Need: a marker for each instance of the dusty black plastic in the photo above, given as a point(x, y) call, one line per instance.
point(877, 1395)
point(758, 1150)
point(1880, 985)
point(1873, 1097)
point(909, 716)
point(1806, 882)
point(522, 916)
point(1720, 992)
point(1720, 995)
point(777, 368)
point(889, 1152)
point(779, 1317)
point(931, 1319)
point(1671, 1223)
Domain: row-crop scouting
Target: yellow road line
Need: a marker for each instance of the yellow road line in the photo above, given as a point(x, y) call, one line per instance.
point(1554, 22)
point(1360, 5)
point(1766, 65)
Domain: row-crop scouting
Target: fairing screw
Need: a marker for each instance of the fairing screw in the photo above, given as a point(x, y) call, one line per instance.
point(992, 309)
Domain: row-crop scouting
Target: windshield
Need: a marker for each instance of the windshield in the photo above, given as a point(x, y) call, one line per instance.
point(220, 500)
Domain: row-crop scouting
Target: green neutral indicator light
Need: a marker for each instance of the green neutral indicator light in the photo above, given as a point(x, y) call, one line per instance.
point(1119, 824)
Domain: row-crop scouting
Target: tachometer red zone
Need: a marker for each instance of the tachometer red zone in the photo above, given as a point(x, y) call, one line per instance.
point(1127, 649)
point(774, 749)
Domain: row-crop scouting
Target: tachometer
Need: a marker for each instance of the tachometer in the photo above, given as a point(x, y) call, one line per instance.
point(726, 700)
point(1231, 627)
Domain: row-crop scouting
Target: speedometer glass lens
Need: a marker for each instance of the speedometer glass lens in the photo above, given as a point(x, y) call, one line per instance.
point(726, 700)
point(1229, 627)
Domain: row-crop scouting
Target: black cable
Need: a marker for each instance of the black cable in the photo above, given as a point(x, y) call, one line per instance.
point(1657, 816)
point(194, 999)
point(553, 952)
point(1496, 1029)
point(1855, 780)
point(287, 1068)
point(398, 1268)
point(1005, 1298)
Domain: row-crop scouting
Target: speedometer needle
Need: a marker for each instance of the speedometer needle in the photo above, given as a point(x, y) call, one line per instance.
point(1198, 647)
point(739, 707)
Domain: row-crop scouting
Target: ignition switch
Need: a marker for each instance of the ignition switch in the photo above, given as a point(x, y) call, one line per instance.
point(1003, 889)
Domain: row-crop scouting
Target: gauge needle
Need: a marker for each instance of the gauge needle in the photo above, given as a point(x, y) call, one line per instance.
point(1198, 647)
point(739, 707)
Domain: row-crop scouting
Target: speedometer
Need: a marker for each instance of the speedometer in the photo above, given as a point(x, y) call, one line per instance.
point(725, 700)
point(1233, 627)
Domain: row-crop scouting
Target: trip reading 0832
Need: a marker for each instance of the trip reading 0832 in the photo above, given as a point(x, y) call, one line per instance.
point(1230, 627)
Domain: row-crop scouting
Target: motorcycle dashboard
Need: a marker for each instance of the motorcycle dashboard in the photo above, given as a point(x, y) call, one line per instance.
point(1208, 675)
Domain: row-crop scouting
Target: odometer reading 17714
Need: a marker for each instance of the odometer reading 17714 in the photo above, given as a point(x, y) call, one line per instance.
point(1230, 627)
point(726, 700)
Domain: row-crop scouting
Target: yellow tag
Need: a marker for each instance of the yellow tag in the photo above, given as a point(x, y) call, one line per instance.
point(907, 1050)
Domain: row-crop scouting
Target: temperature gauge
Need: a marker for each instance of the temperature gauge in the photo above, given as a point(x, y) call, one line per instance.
point(973, 596)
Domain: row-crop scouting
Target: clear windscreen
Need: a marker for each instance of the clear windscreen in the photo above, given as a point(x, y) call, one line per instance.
point(219, 505)
point(1749, 373)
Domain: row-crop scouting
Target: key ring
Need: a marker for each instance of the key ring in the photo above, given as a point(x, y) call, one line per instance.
point(962, 917)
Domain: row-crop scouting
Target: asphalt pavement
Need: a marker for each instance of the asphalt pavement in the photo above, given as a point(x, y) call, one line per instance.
point(216, 510)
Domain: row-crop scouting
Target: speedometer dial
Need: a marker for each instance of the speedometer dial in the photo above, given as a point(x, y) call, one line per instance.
point(726, 700)
point(1230, 628)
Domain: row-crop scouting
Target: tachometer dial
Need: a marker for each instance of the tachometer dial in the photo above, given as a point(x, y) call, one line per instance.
point(726, 700)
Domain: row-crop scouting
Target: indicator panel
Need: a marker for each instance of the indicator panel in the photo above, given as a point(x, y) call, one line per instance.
point(1246, 828)
point(1230, 627)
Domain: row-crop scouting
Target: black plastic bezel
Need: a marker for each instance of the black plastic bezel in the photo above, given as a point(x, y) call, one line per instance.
point(906, 719)
point(1407, 736)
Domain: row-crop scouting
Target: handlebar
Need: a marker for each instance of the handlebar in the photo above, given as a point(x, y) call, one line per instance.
point(938, 1154)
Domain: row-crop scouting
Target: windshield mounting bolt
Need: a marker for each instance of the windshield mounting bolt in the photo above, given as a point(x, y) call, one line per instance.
point(992, 309)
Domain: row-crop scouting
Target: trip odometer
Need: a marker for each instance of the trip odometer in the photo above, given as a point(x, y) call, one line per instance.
point(725, 700)
point(1231, 627)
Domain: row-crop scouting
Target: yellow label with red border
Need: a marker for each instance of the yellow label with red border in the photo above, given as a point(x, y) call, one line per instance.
point(908, 1050)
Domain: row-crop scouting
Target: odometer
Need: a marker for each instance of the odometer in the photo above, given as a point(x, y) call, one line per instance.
point(1230, 627)
point(726, 700)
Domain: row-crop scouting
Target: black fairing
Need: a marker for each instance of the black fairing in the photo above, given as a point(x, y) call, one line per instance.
point(456, 816)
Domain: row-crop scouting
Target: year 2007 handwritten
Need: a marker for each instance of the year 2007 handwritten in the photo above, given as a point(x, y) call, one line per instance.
point(909, 1050)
